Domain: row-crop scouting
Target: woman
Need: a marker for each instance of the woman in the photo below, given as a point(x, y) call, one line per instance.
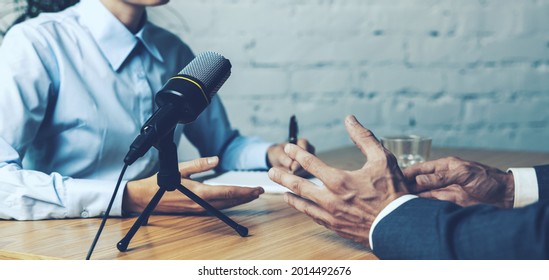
point(75, 88)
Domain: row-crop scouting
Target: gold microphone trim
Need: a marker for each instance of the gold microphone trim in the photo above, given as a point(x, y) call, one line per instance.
point(195, 83)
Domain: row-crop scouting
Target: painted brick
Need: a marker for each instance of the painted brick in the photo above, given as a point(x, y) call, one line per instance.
point(468, 73)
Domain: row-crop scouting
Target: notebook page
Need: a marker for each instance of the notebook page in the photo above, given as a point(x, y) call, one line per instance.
point(252, 179)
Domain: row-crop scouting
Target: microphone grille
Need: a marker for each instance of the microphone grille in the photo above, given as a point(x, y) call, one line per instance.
point(209, 68)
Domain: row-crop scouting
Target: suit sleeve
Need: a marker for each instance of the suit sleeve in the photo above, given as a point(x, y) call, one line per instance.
point(542, 174)
point(433, 229)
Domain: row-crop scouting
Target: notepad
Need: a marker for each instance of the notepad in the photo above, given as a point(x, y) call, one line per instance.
point(252, 179)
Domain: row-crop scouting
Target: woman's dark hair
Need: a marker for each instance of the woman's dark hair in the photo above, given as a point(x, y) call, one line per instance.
point(35, 7)
point(32, 8)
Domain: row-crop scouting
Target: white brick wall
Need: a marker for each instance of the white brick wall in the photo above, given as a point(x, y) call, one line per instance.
point(469, 73)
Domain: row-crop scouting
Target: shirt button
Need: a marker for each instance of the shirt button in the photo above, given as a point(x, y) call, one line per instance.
point(84, 214)
point(140, 75)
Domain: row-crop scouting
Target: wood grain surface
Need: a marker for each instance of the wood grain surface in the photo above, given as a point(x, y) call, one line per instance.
point(276, 230)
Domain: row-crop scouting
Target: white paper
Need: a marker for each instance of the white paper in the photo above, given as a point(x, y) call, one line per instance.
point(252, 179)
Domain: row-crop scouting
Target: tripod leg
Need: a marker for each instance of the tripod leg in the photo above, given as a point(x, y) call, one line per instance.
point(242, 230)
point(142, 220)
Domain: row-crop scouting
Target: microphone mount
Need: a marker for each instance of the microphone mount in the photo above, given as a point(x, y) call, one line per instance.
point(180, 100)
point(169, 179)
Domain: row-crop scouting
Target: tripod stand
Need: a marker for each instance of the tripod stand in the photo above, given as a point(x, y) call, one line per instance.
point(169, 179)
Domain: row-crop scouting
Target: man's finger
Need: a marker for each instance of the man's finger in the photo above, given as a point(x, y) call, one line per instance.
point(323, 216)
point(298, 185)
point(452, 193)
point(319, 215)
point(447, 194)
point(188, 168)
point(427, 182)
point(310, 162)
point(305, 145)
point(285, 161)
point(427, 167)
point(325, 197)
point(364, 139)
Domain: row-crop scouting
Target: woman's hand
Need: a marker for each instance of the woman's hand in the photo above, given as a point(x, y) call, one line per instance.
point(139, 192)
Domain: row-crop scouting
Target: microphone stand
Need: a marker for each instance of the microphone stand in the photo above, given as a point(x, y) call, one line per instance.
point(169, 179)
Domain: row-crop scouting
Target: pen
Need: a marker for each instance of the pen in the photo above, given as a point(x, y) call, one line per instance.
point(293, 130)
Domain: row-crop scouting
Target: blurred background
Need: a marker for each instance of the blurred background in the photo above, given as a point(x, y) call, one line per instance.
point(470, 73)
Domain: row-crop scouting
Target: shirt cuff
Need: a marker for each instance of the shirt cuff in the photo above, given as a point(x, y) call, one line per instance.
point(526, 186)
point(245, 153)
point(386, 211)
point(255, 161)
point(90, 198)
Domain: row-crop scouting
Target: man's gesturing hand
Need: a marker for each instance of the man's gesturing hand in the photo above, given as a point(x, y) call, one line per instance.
point(462, 182)
point(351, 200)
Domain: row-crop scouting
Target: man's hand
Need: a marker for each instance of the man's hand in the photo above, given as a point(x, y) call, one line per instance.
point(462, 182)
point(278, 158)
point(351, 200)
point(138, 193)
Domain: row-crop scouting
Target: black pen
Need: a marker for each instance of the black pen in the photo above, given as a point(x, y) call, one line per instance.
point(293, 130)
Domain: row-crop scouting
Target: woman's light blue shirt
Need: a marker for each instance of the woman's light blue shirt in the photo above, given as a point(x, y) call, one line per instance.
point(75, 89)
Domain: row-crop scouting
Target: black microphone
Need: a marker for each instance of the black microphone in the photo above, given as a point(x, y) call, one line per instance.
point(181, 100)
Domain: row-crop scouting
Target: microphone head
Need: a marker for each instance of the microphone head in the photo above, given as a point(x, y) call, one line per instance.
point(181, 100)
point(191, 91)
point(211, 69)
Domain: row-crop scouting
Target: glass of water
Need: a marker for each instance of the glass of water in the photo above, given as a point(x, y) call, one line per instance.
point(408, 149)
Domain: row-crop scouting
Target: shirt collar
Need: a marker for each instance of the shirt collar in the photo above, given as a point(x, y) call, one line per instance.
point(115, 41)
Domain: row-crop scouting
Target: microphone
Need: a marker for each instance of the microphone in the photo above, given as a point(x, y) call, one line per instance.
point(181, 100)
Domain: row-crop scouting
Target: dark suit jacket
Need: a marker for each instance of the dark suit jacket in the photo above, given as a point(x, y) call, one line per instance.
point(432, 229)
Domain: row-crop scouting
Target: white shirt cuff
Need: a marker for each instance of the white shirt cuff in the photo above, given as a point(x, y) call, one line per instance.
point(258, 155)
point(386, 211)
point(245, 153)
point(526, 186)
point(90, 198)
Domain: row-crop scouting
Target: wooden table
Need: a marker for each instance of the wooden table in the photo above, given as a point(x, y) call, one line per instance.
point(276, 230)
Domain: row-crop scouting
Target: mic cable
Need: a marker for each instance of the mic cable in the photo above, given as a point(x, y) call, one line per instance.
point(106, 214)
